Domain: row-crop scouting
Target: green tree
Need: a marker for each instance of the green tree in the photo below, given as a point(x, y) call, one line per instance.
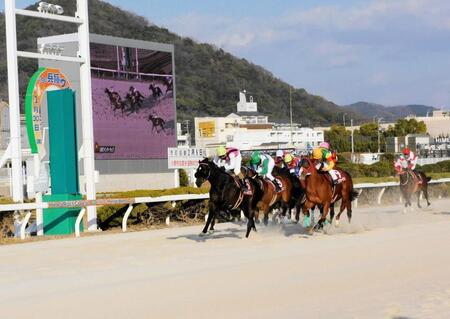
point(404, 127)
point(339, 138)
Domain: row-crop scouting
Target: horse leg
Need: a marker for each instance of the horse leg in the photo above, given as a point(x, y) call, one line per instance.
point(418, 198)
point(250, 225)
point(323, 218)
point(266, 216)
point(213, 222)
point(425, 194)
point(211, 216)
point(306, 213)
point(298, 207)
point(341, 210)
point(331, 213)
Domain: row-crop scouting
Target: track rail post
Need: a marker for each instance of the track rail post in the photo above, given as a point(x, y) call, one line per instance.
point(78, 222)
point(125, 217)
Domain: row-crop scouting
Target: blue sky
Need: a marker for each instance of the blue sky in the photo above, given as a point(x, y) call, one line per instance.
point(384, 51)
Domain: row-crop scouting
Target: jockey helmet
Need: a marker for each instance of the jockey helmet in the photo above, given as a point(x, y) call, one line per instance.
point(255, 159)
point(279, 153)
point(325, 145)
point(317, 154)
point(221, 151)
point(288, 158)
point(406, 151)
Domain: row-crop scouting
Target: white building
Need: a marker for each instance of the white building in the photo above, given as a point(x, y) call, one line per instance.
point(248, 129)
point(438, 124)
point(183, 137)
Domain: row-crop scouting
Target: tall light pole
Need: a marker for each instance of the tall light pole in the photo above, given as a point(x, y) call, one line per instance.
point(353, 146)
point(290, 111)
point(378, 131)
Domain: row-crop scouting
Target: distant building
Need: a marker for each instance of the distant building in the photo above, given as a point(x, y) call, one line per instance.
point(248, 129)
point(438, 124)
point(415, 142)
point(183, 137)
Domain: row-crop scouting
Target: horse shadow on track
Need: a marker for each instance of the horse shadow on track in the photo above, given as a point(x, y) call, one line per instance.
point(218, 234)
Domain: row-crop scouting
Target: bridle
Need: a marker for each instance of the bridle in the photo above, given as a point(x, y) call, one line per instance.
point(306, 171)
point(209, 169)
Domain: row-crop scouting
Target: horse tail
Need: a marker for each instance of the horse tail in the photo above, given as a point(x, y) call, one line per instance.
point(353, 195)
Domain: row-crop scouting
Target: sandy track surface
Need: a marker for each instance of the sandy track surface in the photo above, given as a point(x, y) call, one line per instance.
point(385, 265)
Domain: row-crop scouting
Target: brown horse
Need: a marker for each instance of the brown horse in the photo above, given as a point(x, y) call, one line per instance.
point(270, 196)
point(410, 184)
point(321, 192)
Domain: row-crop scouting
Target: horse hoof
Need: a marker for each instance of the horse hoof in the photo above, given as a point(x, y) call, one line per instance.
point(337, 222)
point(202, 234)
point(211, 231)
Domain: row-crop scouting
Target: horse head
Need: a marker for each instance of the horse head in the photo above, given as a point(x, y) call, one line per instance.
point(307, 166)
point(203, 171)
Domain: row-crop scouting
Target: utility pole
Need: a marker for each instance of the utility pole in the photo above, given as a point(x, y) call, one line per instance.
point(353, 145)
point(378, 131)
point(290, 111)
point(343, 118)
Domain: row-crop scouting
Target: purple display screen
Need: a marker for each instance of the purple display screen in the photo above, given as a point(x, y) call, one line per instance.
point(133, 102)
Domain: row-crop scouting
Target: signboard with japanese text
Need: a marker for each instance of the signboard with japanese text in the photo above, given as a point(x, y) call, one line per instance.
point(184, 157)
point(43, 80)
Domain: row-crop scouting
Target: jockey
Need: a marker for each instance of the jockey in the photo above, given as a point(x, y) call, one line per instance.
point(263, 164)
point(231, 160)
point(411, 158)
point(400, 164)
point(326, 162)
point(279, 159)
point(293, 164)
point(325, 145)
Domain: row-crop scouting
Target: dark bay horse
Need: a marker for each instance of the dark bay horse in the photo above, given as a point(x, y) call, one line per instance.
point(321, 192)
point(270, 196)
point(226, 195)
point(409, 184)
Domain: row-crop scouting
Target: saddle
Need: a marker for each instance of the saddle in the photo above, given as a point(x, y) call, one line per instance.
point(416, 176)
point(339, 179)
point(280, 183)
point(249, 191)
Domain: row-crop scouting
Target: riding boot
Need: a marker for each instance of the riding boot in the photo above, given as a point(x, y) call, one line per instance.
point(243, 185)
point(277, 186)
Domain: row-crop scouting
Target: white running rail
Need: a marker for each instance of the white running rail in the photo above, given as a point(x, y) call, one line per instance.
point(131, 202)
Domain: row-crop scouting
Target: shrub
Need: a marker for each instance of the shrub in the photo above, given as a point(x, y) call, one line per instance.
point(184, 178)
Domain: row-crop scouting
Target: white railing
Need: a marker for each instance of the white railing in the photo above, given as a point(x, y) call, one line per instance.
point(131, 202)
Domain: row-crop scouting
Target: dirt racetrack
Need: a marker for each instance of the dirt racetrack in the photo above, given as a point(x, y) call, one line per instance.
point(385, 265)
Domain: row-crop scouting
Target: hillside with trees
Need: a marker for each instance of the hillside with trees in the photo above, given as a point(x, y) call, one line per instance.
point(389, 113)
point(208, 79)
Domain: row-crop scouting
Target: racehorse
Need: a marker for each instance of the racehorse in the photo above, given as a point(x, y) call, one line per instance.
point(157, 122)
point(134, 99)
point(320, 191)
point(410, 185)
point(225, 195)
point(169, 84)
point(115, 100)
point(270, 196)
point(156, 91)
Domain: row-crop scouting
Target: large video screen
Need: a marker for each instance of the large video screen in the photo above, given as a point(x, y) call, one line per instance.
point(133, 102)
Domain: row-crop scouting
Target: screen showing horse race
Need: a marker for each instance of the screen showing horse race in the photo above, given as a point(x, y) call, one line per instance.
point(133, 102)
